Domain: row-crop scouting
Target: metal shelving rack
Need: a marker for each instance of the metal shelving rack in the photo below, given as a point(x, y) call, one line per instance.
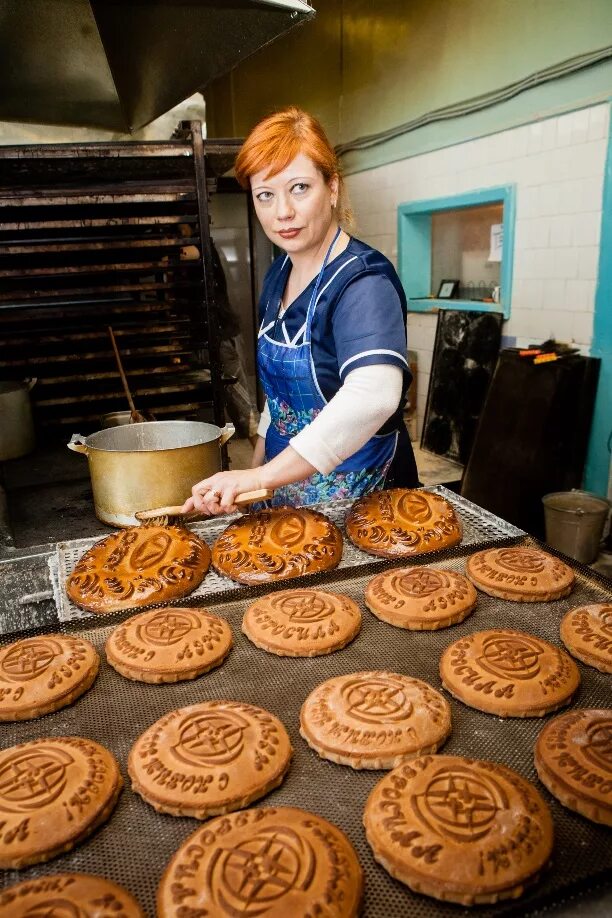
point(100, 234)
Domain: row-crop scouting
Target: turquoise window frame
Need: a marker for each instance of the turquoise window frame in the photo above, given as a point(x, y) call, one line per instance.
point(414, 248)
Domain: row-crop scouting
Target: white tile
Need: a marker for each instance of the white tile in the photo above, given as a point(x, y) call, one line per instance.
point(471, 154)
point(522, 234)
point(561, 325)
point(550, 199)
point(543, 263)
point(560, 230)
point(539, 232)
point(539, 326)
point(518, 141)
point(592, 193)
point(527, 202)
point(586, 228)
point(534, 139)
point(558, 164)
point(532, 169)
point(565, 262)
point(580, 125)
point(582, 328)
point(579, 296)
point(587, 159)
point(532, 293)
point(564, 130)
point(598, 122)
point(549, 134)
point(588, 262)
point(570, 196)
point(519, 291)
point(524, 264)
point(553, 295)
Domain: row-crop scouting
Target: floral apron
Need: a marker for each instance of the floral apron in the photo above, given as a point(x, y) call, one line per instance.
point(287, 374)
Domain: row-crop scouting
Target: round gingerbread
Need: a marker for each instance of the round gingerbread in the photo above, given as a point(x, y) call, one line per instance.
point(509, 673)
point(140, 566)
point(458, 829)
point(279, 862)
point(587, 634)
point(520, 574)
point(68, 895)
point(420, 598)
point(46, 801)
point(42, 674)
point(277, 544)
point(209, 758)
point(168, 645)
point(401, 522)
point(573, 759)
point(302, 623)
point(374, 719)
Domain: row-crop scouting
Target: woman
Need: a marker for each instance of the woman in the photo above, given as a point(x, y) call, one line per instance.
point(332, 336)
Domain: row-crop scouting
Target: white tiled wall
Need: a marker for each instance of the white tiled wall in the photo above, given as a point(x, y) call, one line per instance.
point(557, 166)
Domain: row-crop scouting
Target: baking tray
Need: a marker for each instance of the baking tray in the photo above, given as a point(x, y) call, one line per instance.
point(134, 847)
point(478, 526)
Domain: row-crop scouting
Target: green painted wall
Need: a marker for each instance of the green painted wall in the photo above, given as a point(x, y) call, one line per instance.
point(365, 67)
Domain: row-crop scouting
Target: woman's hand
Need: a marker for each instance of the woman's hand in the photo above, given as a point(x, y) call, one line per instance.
point(216, 494)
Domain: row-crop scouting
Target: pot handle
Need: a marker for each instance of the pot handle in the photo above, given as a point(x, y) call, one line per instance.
point(77, 444)
point(227, 433)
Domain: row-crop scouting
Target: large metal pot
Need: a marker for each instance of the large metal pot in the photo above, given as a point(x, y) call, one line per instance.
point(16, 427)
point(142, 466)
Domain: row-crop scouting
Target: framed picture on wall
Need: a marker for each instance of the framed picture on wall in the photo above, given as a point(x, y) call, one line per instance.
point(448, 289)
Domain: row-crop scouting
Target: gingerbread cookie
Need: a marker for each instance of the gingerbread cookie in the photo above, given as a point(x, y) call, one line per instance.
point(420, 598)
point(209, 758)
point(39, 675)
point(68, 895)
point(140, 566)
point(401, 522)
point(573, 759)
point(374, 719)
point(509, 673)
point(302, 623)
point(520, 574)
point(277, 544)
point(587, 634)
point(279, 862)
point(168, 645)
point(46, 803)
point(460, 830)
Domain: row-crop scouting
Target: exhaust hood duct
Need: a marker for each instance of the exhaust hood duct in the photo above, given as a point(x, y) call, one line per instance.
point(119, 64)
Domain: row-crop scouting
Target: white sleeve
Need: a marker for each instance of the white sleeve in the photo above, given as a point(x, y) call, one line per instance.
point(359, 408)
point(264, 421)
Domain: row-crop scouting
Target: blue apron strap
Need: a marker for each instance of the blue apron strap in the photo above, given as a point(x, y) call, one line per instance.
point(313, 298)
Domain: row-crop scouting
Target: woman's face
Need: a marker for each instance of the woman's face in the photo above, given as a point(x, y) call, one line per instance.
point(294, 207)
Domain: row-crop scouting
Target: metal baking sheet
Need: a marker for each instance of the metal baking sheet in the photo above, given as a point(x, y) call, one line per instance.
point(134, 847)
point(478, 526)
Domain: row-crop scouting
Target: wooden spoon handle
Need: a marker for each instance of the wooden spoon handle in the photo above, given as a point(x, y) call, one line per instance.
point(241, 500)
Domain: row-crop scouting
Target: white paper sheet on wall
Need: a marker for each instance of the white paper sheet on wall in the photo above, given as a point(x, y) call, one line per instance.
point(497, 242)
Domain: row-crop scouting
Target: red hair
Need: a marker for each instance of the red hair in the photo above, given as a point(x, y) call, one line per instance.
point(277, 139)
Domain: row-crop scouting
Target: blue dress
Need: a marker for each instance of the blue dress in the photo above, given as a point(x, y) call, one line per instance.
point(353, 314)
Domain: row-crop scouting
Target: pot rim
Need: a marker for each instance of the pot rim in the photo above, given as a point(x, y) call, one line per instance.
point(202, 441)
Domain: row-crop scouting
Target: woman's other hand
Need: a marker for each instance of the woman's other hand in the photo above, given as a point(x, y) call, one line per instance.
point(216, 494)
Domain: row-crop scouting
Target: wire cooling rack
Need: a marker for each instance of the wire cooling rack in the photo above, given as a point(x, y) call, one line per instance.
point(479, 527)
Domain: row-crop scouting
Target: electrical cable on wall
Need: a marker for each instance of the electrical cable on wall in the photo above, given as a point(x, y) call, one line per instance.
point(478, 103)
